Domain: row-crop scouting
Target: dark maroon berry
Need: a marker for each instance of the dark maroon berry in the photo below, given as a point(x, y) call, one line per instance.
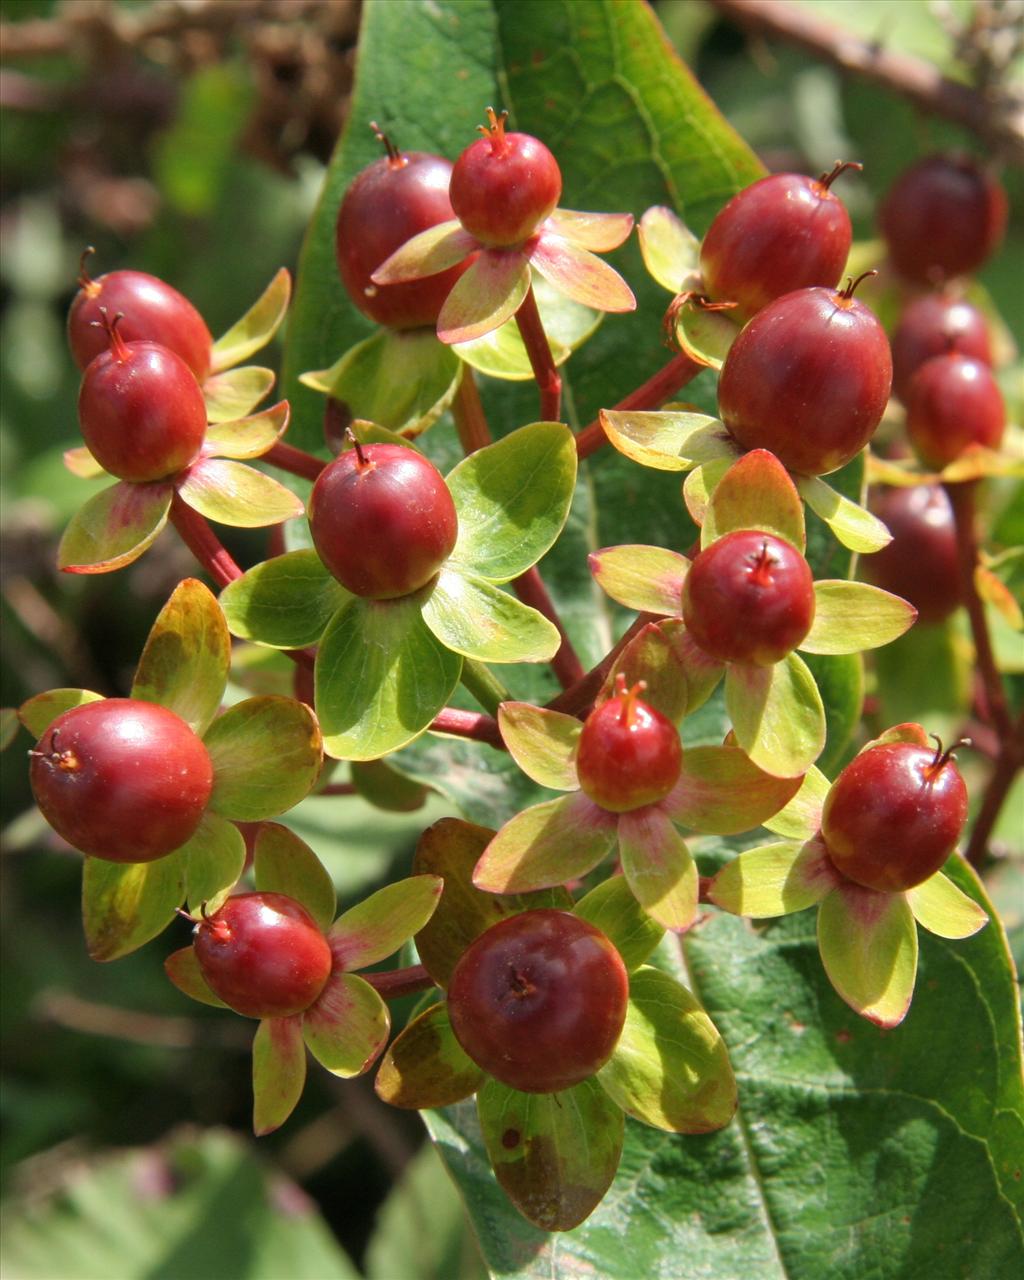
point(539, 1000)
point(748, 597)
point(942, 217)
point(263, 954)
point(629, 754)
point(784, 232)
point(504, 185)
point(808, 379)
point(920, 564)
point(120, 779)
point(936, 324)
point(953, 402)
point(152, 312)
point(382, 520)
point(894, 815)
point(388, 203)
point(141, 411)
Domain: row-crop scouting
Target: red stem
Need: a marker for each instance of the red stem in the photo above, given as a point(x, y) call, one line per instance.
point(203, 543)
point(297, 461)
point(468, 412)
point(578, 699)
point(655, 391)
point(468, 724)
point(1008, 762)
point(337, 789)
point(530, 588)
point(549, 381)
point(392, 984)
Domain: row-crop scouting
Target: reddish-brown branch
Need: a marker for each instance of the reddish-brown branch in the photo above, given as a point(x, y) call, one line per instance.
point(468, 412)
point(337, 789)
point(530, 588)
point(579, 698)
point(1008, 763)
point(204, 544)
point(998, 120)
point(468, 724)
point(655, 391)
point(395, 983)
point(295, 461)
point(549, 381)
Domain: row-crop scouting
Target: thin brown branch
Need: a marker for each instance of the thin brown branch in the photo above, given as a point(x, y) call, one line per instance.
point(203, 543)
point(468, 724)
point(468, 413)
point(1008, 764)
point(392, 984)
point(530, 588)
point(547, 377)
point(579, 698)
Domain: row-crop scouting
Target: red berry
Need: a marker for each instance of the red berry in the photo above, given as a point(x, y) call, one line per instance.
point(953, 402)
point(942, 217)
point(629, 754)
point(263, 954)
point(748, 597)
point(382, 520)
point(504, 185)
point(936, 324)
point(152, 312)
point(388, 203)
point(539, 1000)
point(808, 378)
point(141, 411)
point(920, 564)
point(784, 232)
point(123, 780)
point(894, 815)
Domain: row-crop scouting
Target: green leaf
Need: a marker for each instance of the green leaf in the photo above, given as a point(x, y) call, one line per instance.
point(489, 292)
point(387, 788)
point(801, 817)
point(266, 755)
point(613, 908)
point(853, 526)
point(721, 792)
point(80, 462)
point(667, 440)
point(285, 602)
point(670, 1068)
point(658, 867)
point(282, 863)
point(9, 726)
point(755, 493)
point(426, 1066)
point(555, 1154)
point(232, 493)
point(256, 327)
point(774, 879)
point(670, 250)
point(214, 858)
point(114, 527)
point(513, 500)
point(184, 666)
point(427, 253)
point(840, 681)
point(850, 616)
point(542, 743)
point(701, 672)
point(401, 379)
point(580, 275)
point(939, 906)
point(653, 658)
point(471, 616)
point(647, 579)
point(705, 332)
point(347, 1027)
point(247, 437)
point(546, 845)
point(381, 677)
point(278, 1072)
point(375, 928)
point(868, 944)
point(125, 904)
point(236, 392)
point(777, 714)
point(182, 967)
point(38, 713)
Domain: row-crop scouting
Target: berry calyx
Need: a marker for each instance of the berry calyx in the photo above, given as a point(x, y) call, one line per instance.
point(140, 409)
point(953, 402)
point(629, 754)
point(388, 203)
point(748, 597)
point(784, 232)
point(920, 563)
point(942, 217)
point(539, 1000)
point(382, 520)
point(123, 780)
point(263, 954)
point(504, 185)
point(151, 310)
point(936, 324)
point(894, 815)
point(808, 379)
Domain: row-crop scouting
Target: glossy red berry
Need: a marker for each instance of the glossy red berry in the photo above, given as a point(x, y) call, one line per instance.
point(388, 203)
point(953, 402)
point(936, 324)
point(152, 312)
point(808, 379)
point(382, 520)
point(539, 1000)
point(894, 815)
point(920, 564)
point(748, 597)
point(123, 780)
point(263, 954)
point(141, 411)
point(504, 185)
point(784, 232)
point(942, 217)
point(629, 754)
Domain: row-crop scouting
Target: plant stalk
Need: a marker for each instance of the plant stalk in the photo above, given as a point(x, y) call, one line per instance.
point(484, 685)
point(204, 544)
point(530, 588)
point(649, 395)
point(295, 461)
point(392, 984)
point(468, 412)
point(549, 380)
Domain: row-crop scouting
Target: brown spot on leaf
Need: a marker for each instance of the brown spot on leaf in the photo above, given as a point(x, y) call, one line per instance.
point(511, 1138)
